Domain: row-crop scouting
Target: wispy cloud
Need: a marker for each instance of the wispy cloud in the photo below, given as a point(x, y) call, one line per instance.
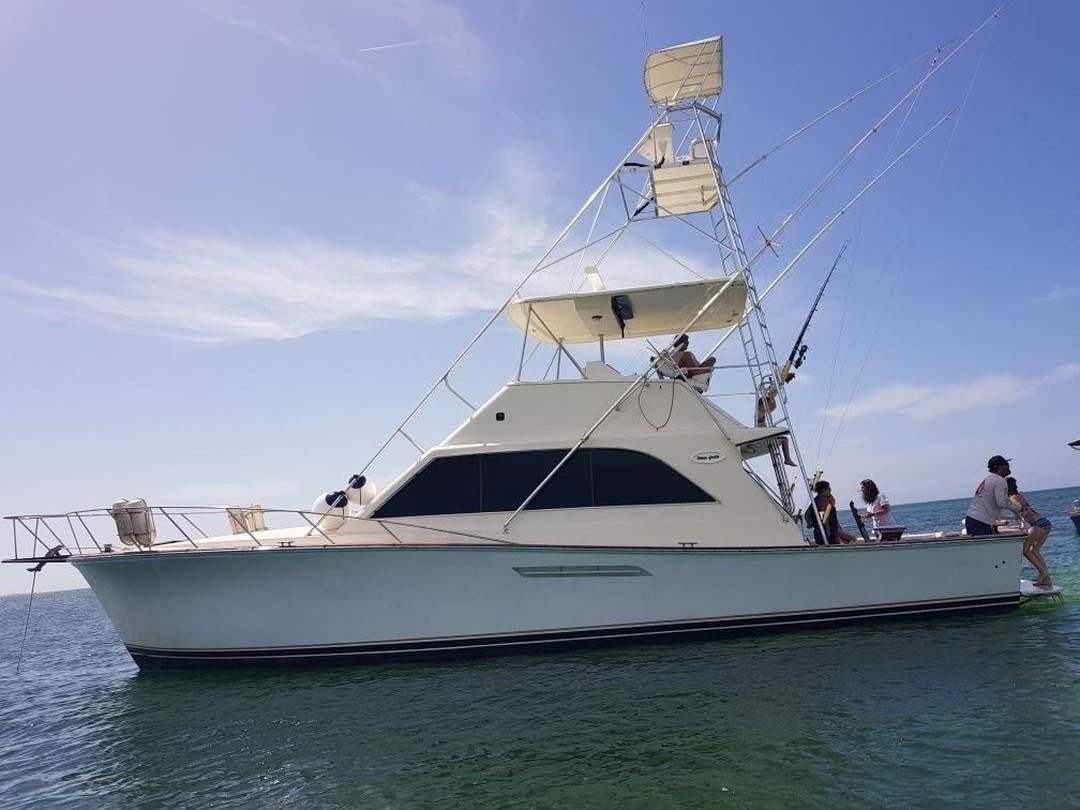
point(929, 402)
point(1057, 293)
point(342, 33)
point(210, 288)
point(307, 43)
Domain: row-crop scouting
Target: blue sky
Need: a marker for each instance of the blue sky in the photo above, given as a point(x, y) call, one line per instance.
point(222, 221)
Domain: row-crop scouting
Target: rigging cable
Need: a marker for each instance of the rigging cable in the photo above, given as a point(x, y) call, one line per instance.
point(644, 29)
point(857, 146)
point(806, 127)
point(818, 464)
point(911, 239)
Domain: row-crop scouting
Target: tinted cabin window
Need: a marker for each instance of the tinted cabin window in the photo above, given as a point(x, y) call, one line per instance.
point(447, 486)
point(500, 482)
point(509, 478)
point(628, 478)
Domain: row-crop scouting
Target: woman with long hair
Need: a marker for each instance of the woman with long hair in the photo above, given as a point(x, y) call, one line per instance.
point(877, 505)
point(1038, 530)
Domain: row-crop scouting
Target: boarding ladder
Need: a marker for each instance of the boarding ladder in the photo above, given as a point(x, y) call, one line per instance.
point(764, 371)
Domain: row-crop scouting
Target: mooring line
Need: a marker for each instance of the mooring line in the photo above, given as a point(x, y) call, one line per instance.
point(26, 627)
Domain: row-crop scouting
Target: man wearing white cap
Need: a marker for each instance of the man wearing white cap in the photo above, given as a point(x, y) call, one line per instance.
point(991, 499)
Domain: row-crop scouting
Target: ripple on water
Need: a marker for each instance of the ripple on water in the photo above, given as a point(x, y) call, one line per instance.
point(967, 711)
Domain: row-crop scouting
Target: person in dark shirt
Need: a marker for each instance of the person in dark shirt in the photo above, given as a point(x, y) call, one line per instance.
point(825, 504)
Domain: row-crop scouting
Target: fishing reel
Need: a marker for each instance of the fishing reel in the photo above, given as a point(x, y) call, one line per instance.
point(797, 362)
point(801, 356)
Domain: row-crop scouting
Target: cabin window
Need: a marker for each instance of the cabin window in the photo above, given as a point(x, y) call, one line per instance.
point(449, 485)
point(629, 478)
point(500, 482)
point(508, 478)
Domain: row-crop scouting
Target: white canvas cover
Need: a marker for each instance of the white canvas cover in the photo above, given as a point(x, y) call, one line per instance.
point(685, 71)
point(661, 310)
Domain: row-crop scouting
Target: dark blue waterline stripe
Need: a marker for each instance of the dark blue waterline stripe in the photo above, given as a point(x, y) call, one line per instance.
point(474, 646)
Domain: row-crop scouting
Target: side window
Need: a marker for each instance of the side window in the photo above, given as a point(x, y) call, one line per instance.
point(500, 482)
point(510, 477)
point(627, 478)
point(447, 486)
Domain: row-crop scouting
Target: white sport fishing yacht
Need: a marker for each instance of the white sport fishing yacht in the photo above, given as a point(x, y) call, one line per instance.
point(583, 507)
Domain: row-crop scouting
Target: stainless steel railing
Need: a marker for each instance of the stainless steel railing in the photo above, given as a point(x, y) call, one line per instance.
point(91, 531)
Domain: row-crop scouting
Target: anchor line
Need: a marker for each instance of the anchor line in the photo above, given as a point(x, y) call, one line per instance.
point(26, 627)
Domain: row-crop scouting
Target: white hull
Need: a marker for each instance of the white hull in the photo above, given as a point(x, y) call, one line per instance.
point(332, 605)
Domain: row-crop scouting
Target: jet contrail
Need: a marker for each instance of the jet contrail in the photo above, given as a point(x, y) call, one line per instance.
point(400, 44)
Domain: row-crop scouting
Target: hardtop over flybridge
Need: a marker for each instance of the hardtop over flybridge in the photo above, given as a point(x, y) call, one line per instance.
point(579, 504)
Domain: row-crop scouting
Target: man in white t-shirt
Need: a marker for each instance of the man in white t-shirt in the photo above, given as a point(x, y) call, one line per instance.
point(991, 499)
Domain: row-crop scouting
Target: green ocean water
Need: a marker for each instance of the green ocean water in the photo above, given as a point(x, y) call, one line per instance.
point(970, 711)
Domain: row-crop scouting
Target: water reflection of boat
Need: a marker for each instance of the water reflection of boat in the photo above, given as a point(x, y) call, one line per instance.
point(595, 508)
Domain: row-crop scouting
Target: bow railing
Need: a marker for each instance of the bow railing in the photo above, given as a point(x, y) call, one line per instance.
point(95, 531)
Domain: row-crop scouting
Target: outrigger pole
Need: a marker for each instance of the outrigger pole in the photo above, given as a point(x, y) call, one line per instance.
point(847, 158)
point(828, 225)
point(811, 124)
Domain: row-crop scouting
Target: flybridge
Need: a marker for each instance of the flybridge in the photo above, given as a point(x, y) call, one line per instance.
point(628, 313)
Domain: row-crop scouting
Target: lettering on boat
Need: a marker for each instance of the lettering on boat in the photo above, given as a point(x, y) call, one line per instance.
point(708, 457)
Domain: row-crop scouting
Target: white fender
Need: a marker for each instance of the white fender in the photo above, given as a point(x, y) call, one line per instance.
point(331, 506)
point(257, 518)
point(124, 529)
point(142, 522)
point(361, 491)
point(134, 522)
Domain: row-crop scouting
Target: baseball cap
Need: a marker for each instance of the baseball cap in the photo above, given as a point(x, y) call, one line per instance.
point(997, 461)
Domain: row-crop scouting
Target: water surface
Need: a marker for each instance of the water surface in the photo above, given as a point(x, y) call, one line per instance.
point(948, 712)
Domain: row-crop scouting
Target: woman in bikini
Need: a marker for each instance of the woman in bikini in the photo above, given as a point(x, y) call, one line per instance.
point(1038, 530)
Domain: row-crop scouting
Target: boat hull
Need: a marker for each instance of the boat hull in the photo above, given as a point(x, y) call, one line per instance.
point(347, 605)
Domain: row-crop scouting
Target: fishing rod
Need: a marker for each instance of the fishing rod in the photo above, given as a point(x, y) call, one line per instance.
point(798, 351)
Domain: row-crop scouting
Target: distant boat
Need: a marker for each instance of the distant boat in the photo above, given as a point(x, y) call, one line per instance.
point(1075, 514)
